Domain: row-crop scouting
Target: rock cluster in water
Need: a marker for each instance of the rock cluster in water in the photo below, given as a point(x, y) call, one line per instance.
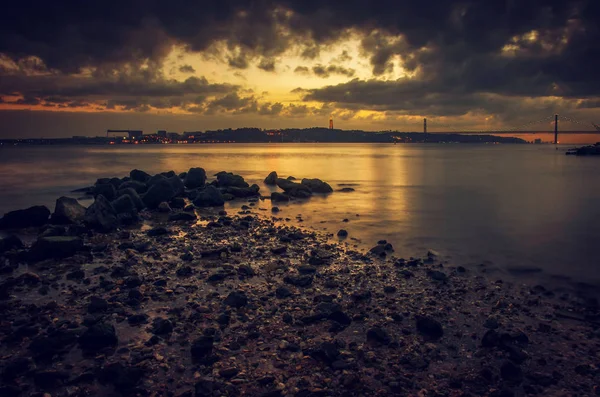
point(198, 302)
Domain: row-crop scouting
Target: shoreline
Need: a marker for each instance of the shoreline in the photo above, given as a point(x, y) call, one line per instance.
point(238, 305)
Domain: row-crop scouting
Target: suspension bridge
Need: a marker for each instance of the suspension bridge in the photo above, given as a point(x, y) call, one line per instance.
point(551, 123)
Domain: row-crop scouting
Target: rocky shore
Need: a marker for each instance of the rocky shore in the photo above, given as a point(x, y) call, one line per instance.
point(154, 290)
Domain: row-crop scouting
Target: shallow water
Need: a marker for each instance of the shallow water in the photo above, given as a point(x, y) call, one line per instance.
point(525, 206)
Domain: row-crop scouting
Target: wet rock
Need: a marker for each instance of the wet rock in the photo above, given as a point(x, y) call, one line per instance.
point(97, 337)
point(361, 296)
point(137, 200)
point(101, 216)
point(236, 299)
point(389, 289)
point(45, 347)
point(240, 192)
point(138, 175)
point(184, 271)
point(317, 186)
point(30, 217)
point(124, 205)
point(279, 250)
point(228, 373)
point(182, 216)
point(161, 191)
point(271, 179)
point(346, 190)
point(378, 335)
point(378, 250)
point(342, 233)
point(107, 190)
point(157, 231)
point(307, 269)
point(164, 207)
point(67, 211)
point(275, 209)
point(10, 243)
point(50, 379)
point(137, 319)
point(300, 281)
point(490, 339)
point(97, 305)
point(137, 186)
point(55, 247)
point(162, 326)
point(177, 203)
point(340, 317)
point(511, 372)
point(210, 196)
point(16, 367)
point(176, 184)
point(437, 275)
point(283, 292)
point(429, 327)
point(227, 179)
point(327, 352)
point(246, 271)
point(277, 197)
point(124, 378)
point(202, 347)
point(294, 189)
point(491, 323)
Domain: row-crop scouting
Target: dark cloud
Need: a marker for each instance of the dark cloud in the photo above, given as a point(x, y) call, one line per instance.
point(343, 57)
point(267, 65)
point(187, 69)
point(270, 109)
point(465, 50)
point(326, 71)
point(302, 70)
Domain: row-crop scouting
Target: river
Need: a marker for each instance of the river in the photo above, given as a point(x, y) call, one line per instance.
point(525, 209)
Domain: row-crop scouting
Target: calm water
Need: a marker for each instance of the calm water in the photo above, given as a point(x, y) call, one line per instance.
point(508, 206)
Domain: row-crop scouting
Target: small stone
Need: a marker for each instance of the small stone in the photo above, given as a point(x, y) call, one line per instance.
point(378, 335)
point(342, 233)
point(228, 373)
point(236, 299)
point(429, 327)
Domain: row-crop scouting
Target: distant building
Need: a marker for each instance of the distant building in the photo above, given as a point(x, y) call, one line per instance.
point(162, 133)
point(173, 135)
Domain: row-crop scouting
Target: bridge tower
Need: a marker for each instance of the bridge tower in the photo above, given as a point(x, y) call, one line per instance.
point(556, 129)
point(425, 125)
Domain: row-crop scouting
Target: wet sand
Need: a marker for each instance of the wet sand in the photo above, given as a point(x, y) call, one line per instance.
point(241, 304)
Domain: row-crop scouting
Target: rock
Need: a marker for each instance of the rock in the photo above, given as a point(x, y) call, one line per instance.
point(346, 190)
point(294, 189)
point(275, 209)
point(389, 289)
point(97, 337)
point(228, 373)
point(490, 339)
point(30, 217)
point(437, 275)
point(137, 319)
point(107, 190)
point(491, 323)
point(195, 178)
point(67, 210)
point(378, 250)
point(155, 179)
point(378, 335)
point(140, 176)
point(279, 250)
point(164, 207)
point(227, 179)
point(182, 216)
point(317, 186)
point(55, 247)
point(159, 192)
point(137, 186)
point(210, 196)
point(301, 281)
point(177, 203)
point(162, 326)
point(122, 377)
point(97, 305)
point(236, 299)
point(157, 231)
point(277, 197)
point(176, 184)
point(340, 317)
point(137, 200)
point(124, 205)
point(101, 215)
point(282, 292)
point(242, 192)
point(16, 367)
point(342, 233)
point(202, 347)
point(9, 243)
point(271, 179)
point(510, 371)
point(50, 379)
point(429, 327)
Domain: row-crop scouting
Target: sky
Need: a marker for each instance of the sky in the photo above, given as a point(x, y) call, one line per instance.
point(79, 68)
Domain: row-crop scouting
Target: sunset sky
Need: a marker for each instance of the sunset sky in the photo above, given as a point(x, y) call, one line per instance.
point(78, 68)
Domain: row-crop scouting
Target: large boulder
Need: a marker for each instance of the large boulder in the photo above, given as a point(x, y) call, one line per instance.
point(55, 247)
point(227, 179)
point(317, 186)
point(271, 179)
point(32, 216)
point(279, 197)
point(140, 176)
point(137, 200)
point(101, 215)
point(124, 205)
point(106, 189)
point(159, 192)
point(195, 177)
point(139, 187)
point(176, 184)
point(242, 191)
point(9, 243)
point(210, 196)
point(294, 189)
point(68, 211)
point(155, 179)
